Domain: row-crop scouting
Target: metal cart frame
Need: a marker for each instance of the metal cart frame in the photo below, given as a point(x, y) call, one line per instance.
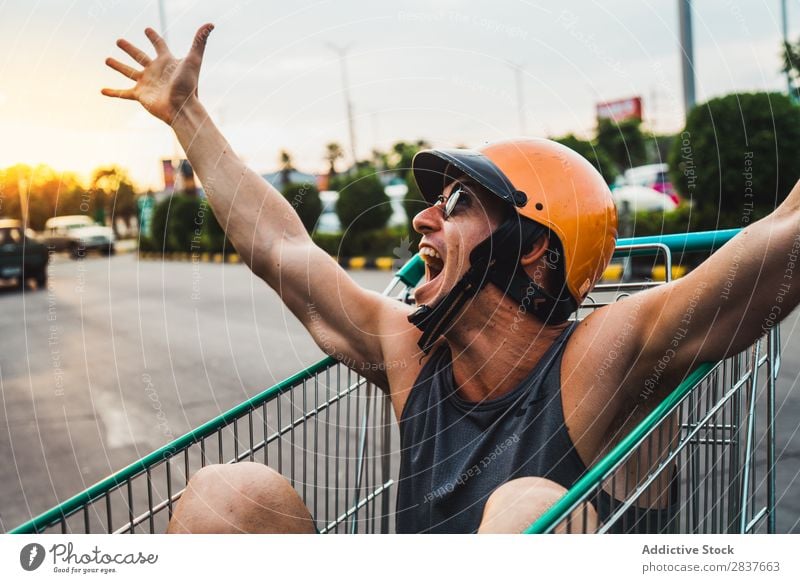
point(333, 435)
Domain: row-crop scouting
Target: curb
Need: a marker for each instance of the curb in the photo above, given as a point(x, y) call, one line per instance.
point(380, 263)
point(613, 273)
point(353, 263)
point(204, 257)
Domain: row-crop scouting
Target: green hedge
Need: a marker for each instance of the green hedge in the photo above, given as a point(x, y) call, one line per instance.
point(390, 242)
point(187, 224)
point(305, 200)
point(684, 219)
point(738, 157)
point(362, 203)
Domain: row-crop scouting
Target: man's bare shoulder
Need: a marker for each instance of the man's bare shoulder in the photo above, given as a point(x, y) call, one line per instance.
point(402, 357)
point(606, 333)
point(596, 370)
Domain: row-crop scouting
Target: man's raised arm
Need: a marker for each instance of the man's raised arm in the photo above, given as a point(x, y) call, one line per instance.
point(723, 306)
point(344, 319)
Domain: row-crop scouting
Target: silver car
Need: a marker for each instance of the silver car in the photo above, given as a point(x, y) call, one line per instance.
point(78, 234)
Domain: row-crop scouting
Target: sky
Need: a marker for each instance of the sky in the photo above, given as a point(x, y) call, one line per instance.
point(440, 70)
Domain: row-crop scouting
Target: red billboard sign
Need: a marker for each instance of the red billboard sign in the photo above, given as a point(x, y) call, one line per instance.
point(620, 109)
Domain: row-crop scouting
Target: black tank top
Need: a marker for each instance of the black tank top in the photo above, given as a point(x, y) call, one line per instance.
point(455, 453)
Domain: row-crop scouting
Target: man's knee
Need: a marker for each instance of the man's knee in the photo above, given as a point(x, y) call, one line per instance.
point(241, 497)
point(518, 503)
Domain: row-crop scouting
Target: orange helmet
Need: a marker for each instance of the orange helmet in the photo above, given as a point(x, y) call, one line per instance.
point(547, 183)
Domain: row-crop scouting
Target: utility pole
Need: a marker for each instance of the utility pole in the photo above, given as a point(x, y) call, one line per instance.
point(784, 19)
point(687, 53)
point(176, 147)
point(162, 19)
point(518, 69)
point(342, 52)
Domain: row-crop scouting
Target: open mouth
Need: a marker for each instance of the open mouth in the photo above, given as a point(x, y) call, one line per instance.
point(433, 262)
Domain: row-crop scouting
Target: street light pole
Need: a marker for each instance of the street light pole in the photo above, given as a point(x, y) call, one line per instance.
point(687, 53)
point(784, 18)
point(520, 96)
point(162, 18)
point(342, 52)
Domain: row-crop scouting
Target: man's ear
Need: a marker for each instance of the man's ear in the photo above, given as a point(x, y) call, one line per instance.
point(540, 247)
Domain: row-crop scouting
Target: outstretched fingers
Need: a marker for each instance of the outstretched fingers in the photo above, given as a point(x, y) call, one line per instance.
point(129, 72)
point(158, 43)
point(200, 40)
point(120, 93)
point(136, 53)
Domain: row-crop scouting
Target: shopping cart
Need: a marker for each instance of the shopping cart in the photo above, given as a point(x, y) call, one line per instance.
point(703, 459)
point(333, 435)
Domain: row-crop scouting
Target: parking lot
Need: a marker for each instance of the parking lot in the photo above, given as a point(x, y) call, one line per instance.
point(118, 356)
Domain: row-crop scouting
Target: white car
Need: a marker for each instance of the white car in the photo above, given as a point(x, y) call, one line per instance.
point(655, 176)
point(634, 199)
point(78, 234)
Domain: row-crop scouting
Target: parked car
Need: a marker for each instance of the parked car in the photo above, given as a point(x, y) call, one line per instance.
point(653, 176)
point(634, 199)
point(21, 256)
point(78, 234)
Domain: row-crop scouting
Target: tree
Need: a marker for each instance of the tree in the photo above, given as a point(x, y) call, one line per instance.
point(623, 141)
point(594, 154)
point(160, 226)
point(658, 147)
point(413, 203)
point(333, 152)
point(380, 159)
point(738, 157)
point(216, 240)
point(791, 65)
point(286, 168)
point(48, 193)
point(403, 154)
point(179, 222)
point(305, 200)
point(363, 205)
point(114, 194)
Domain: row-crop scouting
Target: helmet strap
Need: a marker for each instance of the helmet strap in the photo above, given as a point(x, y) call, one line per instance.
point(488, 265)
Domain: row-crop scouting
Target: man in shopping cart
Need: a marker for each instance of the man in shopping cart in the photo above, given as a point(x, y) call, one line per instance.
point(503, 401)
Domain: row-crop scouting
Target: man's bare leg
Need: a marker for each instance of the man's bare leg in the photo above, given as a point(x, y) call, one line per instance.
point(515, 505)
point(245, 497)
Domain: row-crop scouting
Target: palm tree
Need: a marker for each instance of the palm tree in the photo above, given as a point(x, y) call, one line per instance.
point(380, 160)
point(333, 152)
point(286, 168)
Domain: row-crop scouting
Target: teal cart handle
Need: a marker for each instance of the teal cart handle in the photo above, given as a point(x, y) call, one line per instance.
point(411, 273)
point(679, 242)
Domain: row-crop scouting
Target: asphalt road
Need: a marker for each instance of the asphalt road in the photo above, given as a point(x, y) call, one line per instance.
point(117, 357)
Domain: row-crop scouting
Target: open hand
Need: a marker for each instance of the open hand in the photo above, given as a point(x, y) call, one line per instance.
point(166, 84)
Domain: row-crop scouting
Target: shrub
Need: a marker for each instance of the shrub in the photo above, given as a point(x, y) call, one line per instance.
point(413, 203)
point(738, 157)
point(684, 219)
point(214, 238)
point(185, 223)
point(329, 242)
point(362, 204)
point(623, 142)
point(305, 200)
point(375, 243)
point(159, 227)
point(594, 154)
